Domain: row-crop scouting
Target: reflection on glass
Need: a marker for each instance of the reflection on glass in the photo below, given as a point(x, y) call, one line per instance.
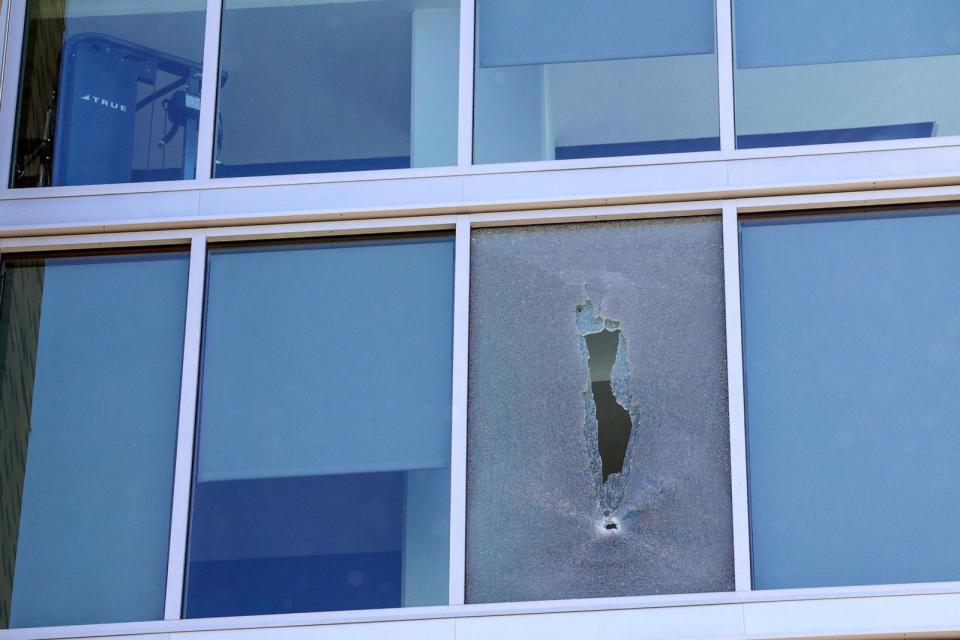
point(560, 79)
point(317, 86)
point(89, 391)
point(110, 92)
point(852, 363)
point(825, 71)
point(323, 470)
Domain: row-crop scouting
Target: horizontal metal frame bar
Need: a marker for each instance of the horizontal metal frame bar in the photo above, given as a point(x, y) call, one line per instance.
point(496, 193)
point(480, 169)
point(744, 206)
point(479, 610)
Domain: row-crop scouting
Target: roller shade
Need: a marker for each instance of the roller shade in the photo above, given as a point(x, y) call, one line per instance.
point(524, 32)
point(326, 359)
point(801, 32)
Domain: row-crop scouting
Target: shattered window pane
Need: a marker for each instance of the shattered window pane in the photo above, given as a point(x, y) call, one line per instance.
point(598, 446)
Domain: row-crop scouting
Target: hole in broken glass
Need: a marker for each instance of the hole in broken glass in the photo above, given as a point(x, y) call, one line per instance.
point(608, 422)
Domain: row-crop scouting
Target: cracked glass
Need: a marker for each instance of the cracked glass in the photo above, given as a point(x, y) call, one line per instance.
point(598, 447)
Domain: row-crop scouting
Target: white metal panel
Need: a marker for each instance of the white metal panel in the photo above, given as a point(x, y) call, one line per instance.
point(832, 599)
point(91, 212)
point(814, 173)
point(509, 191)
point(411, 630)
point(331, 197)
point(930, 613)
point(682, 622)
point(597, 186)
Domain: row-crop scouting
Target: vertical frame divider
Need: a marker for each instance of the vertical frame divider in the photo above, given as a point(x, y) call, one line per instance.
point(738, 439)
point(183, 471)
point(468, 15)
point(458, 440)
point(4, 31)
point(210, 88)
point(724, 13)
point(15, 18)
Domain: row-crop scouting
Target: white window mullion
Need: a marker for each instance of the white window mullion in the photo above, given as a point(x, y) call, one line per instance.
point(183, 472)
point(738, 442)
point(458, 441)
point(728, 140)
point(465, 103)
point(210, 87)
point(13, 19)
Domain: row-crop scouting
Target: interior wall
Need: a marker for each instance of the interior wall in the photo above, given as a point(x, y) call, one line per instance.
point(850, 94)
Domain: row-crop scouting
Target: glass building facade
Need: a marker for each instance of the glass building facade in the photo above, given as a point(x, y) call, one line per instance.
point(467, 319)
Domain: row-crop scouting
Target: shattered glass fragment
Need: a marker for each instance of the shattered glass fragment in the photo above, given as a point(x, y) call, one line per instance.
point(608, 424)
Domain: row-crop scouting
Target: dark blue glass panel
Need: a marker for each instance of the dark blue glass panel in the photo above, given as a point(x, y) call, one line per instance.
point(110, 93)
point(831, 136)
point(637, 148)
point(259, 546)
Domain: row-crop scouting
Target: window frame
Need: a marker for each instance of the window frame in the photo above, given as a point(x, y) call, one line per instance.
point(13, 16)
point(729, 211)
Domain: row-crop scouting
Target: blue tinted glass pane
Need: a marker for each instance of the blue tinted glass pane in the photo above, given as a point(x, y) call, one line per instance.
point(338, 86)
point(825, 71)
point(575, 79)
point(323, 468)
point(110, 92)
point(852, 361)
point(91, 352)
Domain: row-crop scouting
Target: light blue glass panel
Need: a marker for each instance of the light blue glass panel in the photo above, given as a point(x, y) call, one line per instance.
point(578, 79)
point(827, 71)
point(322, 476)
point(315, 86)
point(95, 515)
point(852, 363)
point(109, 92)
point(549, 31)
point(797, 32)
